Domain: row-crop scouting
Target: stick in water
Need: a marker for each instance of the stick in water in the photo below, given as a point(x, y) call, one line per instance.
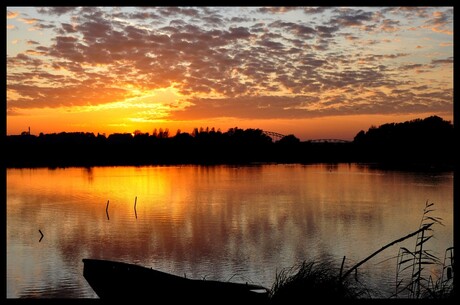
point(425, 227)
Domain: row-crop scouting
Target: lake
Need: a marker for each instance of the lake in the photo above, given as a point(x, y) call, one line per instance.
point(222, 222)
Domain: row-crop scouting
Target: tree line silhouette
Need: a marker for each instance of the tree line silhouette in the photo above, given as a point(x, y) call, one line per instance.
point(420, 142)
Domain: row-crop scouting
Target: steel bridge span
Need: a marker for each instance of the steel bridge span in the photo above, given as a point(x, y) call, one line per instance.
point(328, 141)
point(274, 135)
point(278, 136)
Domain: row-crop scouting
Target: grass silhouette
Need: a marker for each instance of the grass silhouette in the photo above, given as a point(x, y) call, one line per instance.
point(325, 280)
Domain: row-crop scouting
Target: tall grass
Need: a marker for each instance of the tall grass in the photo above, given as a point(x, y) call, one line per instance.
point(314, 280)
point(413, 280)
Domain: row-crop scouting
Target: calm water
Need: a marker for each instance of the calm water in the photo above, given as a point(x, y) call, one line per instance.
point(218, 222)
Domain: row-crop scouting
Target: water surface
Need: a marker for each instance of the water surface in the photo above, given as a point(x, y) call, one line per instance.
point(239, 223)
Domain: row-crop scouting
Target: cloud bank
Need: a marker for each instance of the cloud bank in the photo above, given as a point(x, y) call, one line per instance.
point(267, 62)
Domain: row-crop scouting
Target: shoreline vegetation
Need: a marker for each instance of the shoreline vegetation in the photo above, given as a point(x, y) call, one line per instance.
point(426, 144)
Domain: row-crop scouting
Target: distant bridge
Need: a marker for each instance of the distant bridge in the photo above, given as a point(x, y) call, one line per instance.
point(328, 141)
point(274, 135)
point(277, 136)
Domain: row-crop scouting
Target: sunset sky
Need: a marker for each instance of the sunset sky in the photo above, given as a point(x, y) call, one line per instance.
point(315, 72)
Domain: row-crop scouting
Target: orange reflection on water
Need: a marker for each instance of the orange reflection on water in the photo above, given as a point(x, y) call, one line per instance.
point(215, 221)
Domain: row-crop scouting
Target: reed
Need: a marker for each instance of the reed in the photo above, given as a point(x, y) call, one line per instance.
point(413, 280)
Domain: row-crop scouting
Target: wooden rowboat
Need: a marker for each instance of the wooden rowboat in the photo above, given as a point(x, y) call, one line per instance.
point(119, 280)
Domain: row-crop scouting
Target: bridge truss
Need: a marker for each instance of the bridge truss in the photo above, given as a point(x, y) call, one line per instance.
point(274, 135)
point(278, 136)
point(328, 141)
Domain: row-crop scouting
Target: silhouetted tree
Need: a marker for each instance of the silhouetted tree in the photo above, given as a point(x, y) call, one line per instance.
point(422, 141)
point(428, 141)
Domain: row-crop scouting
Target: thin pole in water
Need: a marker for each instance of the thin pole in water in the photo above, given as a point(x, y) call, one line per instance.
point(135, 202)
point(107, 210)
point(341, 268)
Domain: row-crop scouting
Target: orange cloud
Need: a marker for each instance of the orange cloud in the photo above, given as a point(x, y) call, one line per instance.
point(29, 20)
point(11, 15)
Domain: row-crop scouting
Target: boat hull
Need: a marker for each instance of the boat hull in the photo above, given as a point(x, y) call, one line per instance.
point(118, 280)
